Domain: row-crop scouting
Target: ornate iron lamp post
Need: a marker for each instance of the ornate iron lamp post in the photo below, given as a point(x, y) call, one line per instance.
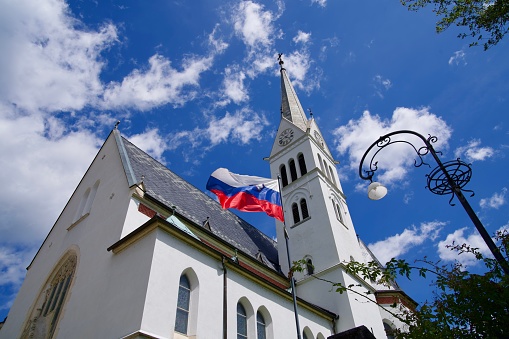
point(446, 178)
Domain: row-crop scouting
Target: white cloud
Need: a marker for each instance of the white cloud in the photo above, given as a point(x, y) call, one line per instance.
point(218, 44)
point(158, 85)
point(253, 24)
point(399, 244)
point(495, 201)
point(381, 85)
point(13, 265)
point(243, 126)
point(255, 27)
point(321, 3)
point(151, 142)
point(302, 37)
point(473, 151)
point(46, 161)
point(458, 238)
point(233, 85)
point(394, 161)
point(458, 58)
point(297, 65)
point(331, 43)
point(51, 65)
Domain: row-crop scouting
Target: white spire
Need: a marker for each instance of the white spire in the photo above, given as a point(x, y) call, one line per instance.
point(291, 108)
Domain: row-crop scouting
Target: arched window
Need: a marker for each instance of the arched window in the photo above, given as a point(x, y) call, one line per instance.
point(241, 322)
point(337, 209)
point(284, 176)
point(309, 266)
point(326, 169)
point(389, 331)
point(295, 212)
point(306, 334)
point(302, 164)
point(86, 202)
point(260, 326)
point(321, 163)
point(332, 175)
point(184, 296)
point(83, 203)
point(293, 169)
point(91, 197)
point(304, 209)
point(44, 318)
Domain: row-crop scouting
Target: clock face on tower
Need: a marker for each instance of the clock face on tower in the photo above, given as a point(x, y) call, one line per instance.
point(319, 138)
point(285, 137)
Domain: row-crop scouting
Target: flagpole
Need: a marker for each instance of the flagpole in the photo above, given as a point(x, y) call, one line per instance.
point(292, 280)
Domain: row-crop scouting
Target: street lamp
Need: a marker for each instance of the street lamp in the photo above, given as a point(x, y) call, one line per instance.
point(446, 178)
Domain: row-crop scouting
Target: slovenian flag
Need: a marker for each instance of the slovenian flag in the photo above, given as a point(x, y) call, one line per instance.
point(246, 193)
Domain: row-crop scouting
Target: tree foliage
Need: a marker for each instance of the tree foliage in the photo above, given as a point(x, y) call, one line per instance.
point(464, 304)
point(486, 20)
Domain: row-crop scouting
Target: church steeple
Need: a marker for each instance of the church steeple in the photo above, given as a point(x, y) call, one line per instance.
point(317, 221)
point(291, 108)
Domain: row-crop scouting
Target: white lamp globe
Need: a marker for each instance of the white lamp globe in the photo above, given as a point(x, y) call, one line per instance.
point(376, 191)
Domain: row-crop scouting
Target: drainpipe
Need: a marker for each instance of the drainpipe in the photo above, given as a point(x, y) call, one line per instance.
point(225, 299)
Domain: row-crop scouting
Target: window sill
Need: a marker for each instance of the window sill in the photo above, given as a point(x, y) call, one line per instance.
point(300, 222)
point(83, 217)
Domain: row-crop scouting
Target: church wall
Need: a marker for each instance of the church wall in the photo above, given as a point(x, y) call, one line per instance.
point(172, 257)
point(390, 319)
point(90, 233)
point(111, 304)
point(353, 309)
point(280, 309)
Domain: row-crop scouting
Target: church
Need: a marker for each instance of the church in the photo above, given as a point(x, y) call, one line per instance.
point(138, 252)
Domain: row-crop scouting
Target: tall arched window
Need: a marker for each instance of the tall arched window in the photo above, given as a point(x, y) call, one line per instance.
point(184, 296)
point(388, 331)
point(326, 169)
point(91, 197)
point(309, 266)
point(44, 318)
point(260, 326)
point(304, 209)
point(241, 322)
point(321, 163)
point(284, 176)
point(332, 175)
point(302, 164)
point(337, 209)
point(295, 212)
point(293, 169)
point(86, 202)
point(83, 203)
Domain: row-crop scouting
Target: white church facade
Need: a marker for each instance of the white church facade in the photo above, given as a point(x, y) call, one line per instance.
point(138, 252)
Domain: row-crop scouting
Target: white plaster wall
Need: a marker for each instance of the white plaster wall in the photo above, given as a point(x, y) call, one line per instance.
point(92, 286)
point(281, 310)
point(391, 319)
point(172, 257)
point(134, 218)
point(353, 310)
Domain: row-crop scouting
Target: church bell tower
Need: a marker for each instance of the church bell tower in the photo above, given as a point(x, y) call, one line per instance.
point(317, 219)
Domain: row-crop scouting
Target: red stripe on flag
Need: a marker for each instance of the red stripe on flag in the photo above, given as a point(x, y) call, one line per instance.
point(248, 203)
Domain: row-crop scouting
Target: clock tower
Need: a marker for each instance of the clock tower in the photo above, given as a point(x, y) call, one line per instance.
point(317, 220)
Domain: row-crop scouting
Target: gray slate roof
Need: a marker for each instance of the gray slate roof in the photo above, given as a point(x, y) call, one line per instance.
point(171, 190)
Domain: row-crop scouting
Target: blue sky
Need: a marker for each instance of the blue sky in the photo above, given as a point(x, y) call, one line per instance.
point(196, 85)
